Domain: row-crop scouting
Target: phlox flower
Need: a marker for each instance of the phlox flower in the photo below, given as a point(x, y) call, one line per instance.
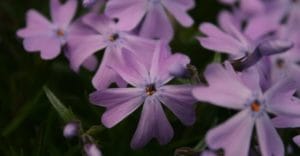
point(150, 90)
point(46, 36)
point(107, 35)
point(287, 64)
point(231, 39)
point(150, 15)
point(257, 10)
point(92, 150)
point(241, 91)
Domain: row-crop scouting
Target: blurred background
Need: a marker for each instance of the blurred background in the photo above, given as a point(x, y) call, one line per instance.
point(30, 126)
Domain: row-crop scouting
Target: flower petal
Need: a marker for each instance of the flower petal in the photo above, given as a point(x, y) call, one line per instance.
point(179, 99)
point(105, 75)
point(116, 113)
point(130, 69)
point(153, 123)
point(163, 63)
point(83, 47)
point(218, 40)
point(114, 96)
point(234, 135)
point(37, 25)
point(179, 11)
point(280, 98)
point(296, 140)
point(101, 23)
point(224, 88)
point(91, 63)
point(251, 79)
point(156, 17)
point(259, 26)
point(268, 139)
point(227, 23)
point(48, 46)
point(286, 122)
point(143, 48)
point(62, 14)
point(129, 12)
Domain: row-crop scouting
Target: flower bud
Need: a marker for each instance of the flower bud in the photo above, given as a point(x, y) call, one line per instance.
point(71, 130)
point(92, 150)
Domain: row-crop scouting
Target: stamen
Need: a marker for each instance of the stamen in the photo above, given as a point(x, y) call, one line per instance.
point(113, 37)
point(60, 33)
point(150, 89)
point(255, 106)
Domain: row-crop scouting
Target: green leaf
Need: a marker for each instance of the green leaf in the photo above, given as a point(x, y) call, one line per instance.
point(217, 57)
point(96, 129)
point(63, 112)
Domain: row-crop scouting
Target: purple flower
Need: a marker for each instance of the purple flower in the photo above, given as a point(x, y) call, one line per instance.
point(230, 38)
point(149, 87)
point(287, 64)
point(259, 9)
point(71, 130)
point(88, 3)
point(296, 139)
point(241, 91)
point(94, 5)
point(92, 150)
point(45, 36)
point(107, 35)
point(152, 12)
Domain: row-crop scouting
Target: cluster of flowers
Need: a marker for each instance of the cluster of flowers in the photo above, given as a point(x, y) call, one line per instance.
point(260, 76)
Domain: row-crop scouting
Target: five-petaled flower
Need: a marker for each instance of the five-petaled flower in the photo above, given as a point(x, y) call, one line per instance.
point(107, 35)
point(151, 15)
point(45, 36)
point(242, 91)
point(149, 87)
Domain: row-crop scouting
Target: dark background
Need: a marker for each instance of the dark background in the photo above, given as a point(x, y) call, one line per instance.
point(29, 126)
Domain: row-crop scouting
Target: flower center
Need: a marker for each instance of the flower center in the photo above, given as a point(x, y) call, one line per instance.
point(280, 63)
point(113, 37)
point(150, 89)
point(255, 106)
point(60, 33)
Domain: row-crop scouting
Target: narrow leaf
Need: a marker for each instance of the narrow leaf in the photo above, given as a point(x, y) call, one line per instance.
point(63, 112)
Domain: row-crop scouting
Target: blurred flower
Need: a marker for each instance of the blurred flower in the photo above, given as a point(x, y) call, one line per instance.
point(131, 13)
point(246, 47)
point(149, 87)
point(44, 36)
point(208, 153)
point(231, 39)
point(88, 3)
point(107, 35)
point(256, 10)
point(92, 150)
point(296, 139)
point(241, 91)
point(71, 129)
point(287, 64)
